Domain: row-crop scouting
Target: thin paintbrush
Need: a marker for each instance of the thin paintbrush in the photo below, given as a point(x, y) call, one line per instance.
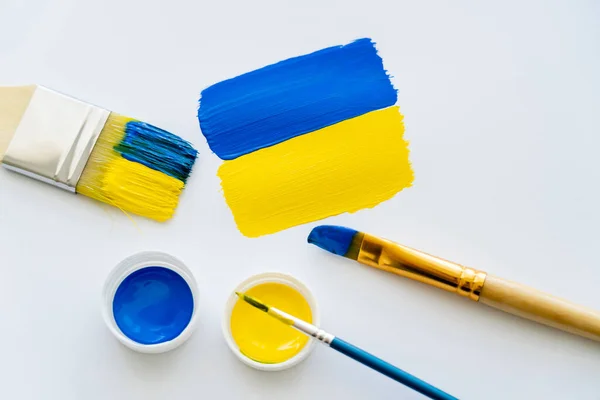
point(86, 149)
point(504, 295)
point(349, 350)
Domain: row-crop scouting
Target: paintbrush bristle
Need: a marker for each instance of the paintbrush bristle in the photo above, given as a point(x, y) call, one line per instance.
point(253, 302)
point(157, 149)
point(138, 168)
point(338, 240)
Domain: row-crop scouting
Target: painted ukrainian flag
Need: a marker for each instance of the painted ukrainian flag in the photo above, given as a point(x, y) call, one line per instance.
point(307, 138)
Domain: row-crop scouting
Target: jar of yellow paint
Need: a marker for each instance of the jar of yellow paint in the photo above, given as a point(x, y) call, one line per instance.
point(259, 340)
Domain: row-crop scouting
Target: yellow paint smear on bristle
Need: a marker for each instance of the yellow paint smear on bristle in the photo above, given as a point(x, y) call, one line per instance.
point(263, 338)
point(13, 103)
point(135, 188)
point(354, 164)
point(128, 185)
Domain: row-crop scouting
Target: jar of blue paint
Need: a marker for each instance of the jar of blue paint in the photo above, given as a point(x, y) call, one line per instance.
point(150, 302)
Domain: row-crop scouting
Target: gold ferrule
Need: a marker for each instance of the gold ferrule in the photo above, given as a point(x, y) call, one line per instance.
point(422, 267)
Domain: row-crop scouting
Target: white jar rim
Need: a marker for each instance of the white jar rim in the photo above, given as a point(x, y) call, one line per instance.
point(270, 277)
point(126, 268)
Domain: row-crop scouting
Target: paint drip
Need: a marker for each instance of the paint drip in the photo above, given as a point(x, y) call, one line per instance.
point(263, 338)
point(153, 305)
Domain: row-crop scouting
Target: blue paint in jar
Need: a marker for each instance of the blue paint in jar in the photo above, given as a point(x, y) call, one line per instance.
point(153, 305)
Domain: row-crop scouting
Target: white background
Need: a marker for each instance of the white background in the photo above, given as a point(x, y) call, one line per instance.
point(501, 102)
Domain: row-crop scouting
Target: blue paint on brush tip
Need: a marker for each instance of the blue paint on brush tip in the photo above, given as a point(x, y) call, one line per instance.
point(334, 239)
point(157, 149)
point(293, 97)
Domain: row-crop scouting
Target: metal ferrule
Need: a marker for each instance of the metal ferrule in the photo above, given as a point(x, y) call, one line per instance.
point(422, 267)
point(55, 138)
point(302, 326)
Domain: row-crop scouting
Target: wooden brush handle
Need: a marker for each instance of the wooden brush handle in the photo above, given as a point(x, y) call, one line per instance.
point(532, 304)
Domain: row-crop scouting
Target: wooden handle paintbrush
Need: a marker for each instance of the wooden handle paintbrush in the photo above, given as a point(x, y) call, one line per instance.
point(350, 350)
point(477, 285)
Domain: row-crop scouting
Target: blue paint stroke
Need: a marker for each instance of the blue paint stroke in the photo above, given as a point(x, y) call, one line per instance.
point(296, 96)
point(334, 239)
point(153, 305)
point(157, 149)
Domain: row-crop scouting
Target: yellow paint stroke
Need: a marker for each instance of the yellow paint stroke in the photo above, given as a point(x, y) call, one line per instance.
point(260, 336)
point(128, 185)
point(355, 164)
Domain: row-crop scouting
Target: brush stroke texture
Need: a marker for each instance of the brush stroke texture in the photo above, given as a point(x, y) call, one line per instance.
point(157, 149)
point(299, 95)
point(345, 167)
point(131, 186)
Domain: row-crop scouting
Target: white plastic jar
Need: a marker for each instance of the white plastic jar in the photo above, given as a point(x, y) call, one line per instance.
point(126, 268)
point(270, 277)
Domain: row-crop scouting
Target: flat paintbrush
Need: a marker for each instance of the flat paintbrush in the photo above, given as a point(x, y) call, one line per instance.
point(499, 293)
point(89, 150)
point(349, 350)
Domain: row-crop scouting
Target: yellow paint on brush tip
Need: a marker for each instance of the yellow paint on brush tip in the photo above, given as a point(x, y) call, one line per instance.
point(141, 190)
point(128, 185)
point(354, 164)
point(263, 338)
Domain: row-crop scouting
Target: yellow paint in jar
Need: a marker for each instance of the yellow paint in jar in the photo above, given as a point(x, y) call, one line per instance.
point(263, 338)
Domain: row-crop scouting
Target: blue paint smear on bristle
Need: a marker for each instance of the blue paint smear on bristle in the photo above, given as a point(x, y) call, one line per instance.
point(293, 97)
point(157, 149)
point(153, 305)
point(334, 239)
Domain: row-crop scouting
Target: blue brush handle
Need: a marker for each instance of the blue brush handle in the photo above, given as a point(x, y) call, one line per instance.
point(389, 370)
